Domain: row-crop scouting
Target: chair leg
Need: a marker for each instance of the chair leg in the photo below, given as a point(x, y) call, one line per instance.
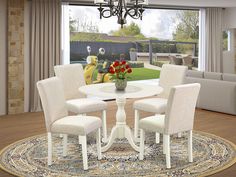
point(167, 139)
point(83, 141)
point(164, 144)
point(136, 122)
point(104, 126)
point(141, 148)
point(157, 137)
point(49, 148)
point(190, 146)
point(179, 135)
point(64, 145)
point(98, 141)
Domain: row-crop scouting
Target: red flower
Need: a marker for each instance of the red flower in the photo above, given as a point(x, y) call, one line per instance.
point(116, 63)
point(123, 62)
point(119, 69)
point(129, 70)
point(127, 66)
point(111, 70)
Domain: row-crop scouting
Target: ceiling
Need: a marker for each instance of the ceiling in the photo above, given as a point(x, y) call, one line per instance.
point(182, 3)
point(195, 3)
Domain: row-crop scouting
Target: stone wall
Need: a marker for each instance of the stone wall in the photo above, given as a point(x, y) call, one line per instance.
point(15, 56)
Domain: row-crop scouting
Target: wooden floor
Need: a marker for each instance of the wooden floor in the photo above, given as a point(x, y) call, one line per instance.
point(16, 127)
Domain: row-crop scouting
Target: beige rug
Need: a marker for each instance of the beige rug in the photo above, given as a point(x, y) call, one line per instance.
point(28, 157)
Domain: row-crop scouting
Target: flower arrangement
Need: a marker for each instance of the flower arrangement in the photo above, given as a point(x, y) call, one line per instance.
point(119, 69)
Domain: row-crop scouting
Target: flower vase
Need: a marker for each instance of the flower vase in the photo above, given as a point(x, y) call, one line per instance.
point(120, 84)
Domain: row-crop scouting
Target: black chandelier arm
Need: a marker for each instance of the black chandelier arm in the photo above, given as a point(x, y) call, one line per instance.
point(110, 12)
point(134, 13)
point(120, 9)
point(136, 9)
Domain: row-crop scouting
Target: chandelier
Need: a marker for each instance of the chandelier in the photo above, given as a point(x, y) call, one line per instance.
point(121, 9)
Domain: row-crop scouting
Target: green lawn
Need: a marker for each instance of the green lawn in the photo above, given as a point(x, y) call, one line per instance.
point(141, 74)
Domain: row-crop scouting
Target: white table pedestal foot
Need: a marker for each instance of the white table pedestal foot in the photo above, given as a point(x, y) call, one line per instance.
point(120, 130)
point(115, 133)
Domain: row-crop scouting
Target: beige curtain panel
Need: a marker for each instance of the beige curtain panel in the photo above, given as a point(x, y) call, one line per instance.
point(213, 35)
point(45, 44)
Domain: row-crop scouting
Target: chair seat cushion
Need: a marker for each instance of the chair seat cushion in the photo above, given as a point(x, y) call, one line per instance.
point(85, 105)
point(76, 125)
point(153, 123)
point(155, 105)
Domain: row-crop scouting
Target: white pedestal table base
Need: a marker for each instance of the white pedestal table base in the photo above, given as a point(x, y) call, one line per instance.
point(120, 130)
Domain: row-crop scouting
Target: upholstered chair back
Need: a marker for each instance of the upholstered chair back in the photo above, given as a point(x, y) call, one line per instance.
point(171, 75)
point(53, 100)
point(188, 60)
point(181, 108)
point(72, 76)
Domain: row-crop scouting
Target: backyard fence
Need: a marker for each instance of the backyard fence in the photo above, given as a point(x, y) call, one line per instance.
point(113, 50)
point(120, 50)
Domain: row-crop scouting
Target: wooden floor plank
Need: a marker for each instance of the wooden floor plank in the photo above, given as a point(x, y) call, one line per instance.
point(16, 127)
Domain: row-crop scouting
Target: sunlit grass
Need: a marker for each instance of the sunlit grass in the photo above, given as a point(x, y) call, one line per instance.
point(143, 74)
point(140, 74)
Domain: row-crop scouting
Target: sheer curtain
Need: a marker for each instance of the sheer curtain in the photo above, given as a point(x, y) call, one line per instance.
point(202, 40)
point(65, 34)
point(210, 40)
point(45, 47)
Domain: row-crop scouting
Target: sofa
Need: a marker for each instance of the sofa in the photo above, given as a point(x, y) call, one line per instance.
point(218, 90)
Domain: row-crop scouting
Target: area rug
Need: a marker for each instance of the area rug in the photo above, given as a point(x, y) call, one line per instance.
point(28, 157)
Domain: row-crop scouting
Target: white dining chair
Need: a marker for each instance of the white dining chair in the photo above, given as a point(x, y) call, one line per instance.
point(179, 117)
point(72, 76)
point(170, 76)
point(57, 119)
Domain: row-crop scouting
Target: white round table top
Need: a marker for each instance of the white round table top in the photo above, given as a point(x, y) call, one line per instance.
point(133, 90)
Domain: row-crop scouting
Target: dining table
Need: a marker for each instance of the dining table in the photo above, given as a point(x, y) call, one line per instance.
point(133, 90)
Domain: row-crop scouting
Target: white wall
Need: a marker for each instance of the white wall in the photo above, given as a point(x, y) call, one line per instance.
point(3, 55)
point(229, 23)
point(228, 56)
point(229, 18)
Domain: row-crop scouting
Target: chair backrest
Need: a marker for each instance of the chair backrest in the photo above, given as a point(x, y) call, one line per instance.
point(53, 100)
point(181, 108)
point(174, 60)
point(72, 77)
point(171, 75)
point(188, 60)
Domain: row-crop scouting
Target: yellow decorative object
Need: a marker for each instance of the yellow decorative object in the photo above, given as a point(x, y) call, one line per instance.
point(90, 68)
point(102, 77)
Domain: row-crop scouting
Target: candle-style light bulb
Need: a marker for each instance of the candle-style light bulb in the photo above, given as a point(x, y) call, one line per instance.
point(100, 2)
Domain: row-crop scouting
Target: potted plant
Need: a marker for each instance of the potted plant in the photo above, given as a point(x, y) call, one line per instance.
point(133, 54)
point(118, 71)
